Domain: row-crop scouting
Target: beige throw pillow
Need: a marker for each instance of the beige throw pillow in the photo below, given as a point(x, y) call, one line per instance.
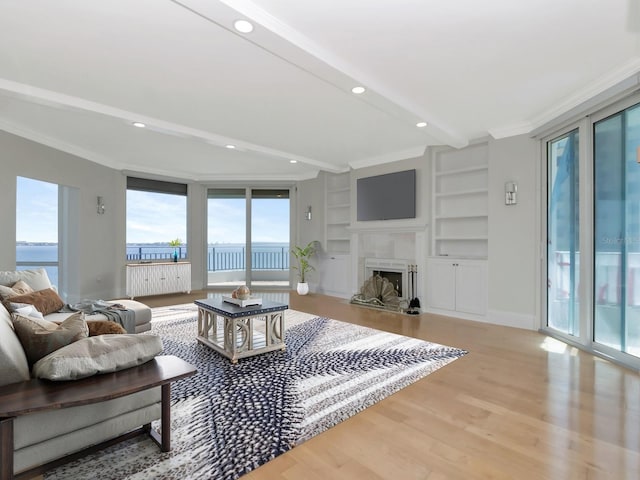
point(95, 355)
point(18, 288)
point(40, 337)
point(46, 301)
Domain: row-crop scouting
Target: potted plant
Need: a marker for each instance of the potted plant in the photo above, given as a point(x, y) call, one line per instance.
point(175, 244)
point(302, 255)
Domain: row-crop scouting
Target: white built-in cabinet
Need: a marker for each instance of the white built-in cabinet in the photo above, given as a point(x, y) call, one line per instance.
point(457, 269)
point(457, 286)
point(334, 275)
point(337, 213)
point(158, 278)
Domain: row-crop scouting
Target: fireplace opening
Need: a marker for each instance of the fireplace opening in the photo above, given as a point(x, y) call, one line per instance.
point(395, 278)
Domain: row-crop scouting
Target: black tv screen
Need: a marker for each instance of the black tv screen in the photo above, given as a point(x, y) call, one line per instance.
point(387, 197)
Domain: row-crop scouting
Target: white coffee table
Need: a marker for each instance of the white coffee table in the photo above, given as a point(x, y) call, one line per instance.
point(229, 329)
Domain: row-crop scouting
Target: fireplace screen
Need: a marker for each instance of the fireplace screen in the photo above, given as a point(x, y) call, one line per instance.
point(378, 291)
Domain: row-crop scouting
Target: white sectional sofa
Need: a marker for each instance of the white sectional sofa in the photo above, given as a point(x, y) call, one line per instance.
point(39, 280)
point(48, 435)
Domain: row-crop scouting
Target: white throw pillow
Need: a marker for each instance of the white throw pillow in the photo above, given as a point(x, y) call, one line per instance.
point(36, 279)
point(94, 355)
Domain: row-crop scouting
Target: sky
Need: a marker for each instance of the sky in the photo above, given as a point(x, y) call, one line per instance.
point(155, 217)
point(36, 211)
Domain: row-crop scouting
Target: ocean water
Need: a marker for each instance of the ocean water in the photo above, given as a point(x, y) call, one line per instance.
point(49, 253)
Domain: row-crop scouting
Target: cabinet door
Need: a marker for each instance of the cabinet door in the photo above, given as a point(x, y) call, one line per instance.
point(334, 276)
point(183, 278)
point(471, 287)
point(441, 283)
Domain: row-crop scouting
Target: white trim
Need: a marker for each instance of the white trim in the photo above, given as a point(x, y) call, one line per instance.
point(413, 152)
point(513, 319)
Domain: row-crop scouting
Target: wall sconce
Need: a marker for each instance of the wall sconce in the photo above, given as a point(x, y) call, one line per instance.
point(100, 206)
point(510, 193)
point(307, 214)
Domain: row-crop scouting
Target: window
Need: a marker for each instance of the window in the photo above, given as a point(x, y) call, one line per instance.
point(37, 226)
point(156, 215)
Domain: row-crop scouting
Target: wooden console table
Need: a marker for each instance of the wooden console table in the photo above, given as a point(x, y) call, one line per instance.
point(235, 336)
point(39, 395)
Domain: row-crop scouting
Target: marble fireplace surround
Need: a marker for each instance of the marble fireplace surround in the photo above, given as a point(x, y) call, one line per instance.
point(402, 243)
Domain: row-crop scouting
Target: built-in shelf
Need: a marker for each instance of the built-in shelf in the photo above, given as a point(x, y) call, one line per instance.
point(460, 217)
point(454, 238)
point(462, 192)
point(476, 168)
point(338, 213)
point(460, 198)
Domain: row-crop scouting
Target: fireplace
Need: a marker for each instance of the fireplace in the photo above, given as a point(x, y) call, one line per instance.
point(396, 271)
point(385, 284)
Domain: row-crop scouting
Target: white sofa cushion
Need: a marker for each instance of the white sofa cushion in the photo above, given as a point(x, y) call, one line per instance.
point(95, 355)
point(36, 279)
point(13, 361)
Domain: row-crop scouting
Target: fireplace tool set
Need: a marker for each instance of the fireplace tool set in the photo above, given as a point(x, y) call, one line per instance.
point(414, 303)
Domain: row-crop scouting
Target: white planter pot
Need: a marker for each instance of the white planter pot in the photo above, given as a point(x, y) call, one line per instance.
point(303, 288)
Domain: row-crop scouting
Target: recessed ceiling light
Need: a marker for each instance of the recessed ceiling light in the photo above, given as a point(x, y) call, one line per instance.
point(358, 90)
point(230, 147)
point(293, 161)
point(138, 124)
point(243, 26)
point(421, 124)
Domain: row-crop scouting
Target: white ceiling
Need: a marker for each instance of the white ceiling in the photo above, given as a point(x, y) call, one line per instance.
point(75, 75)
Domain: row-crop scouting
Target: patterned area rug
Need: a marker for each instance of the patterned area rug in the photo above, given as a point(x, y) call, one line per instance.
point(230, 419)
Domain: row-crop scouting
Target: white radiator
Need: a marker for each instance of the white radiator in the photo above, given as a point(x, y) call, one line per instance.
point(158, 278)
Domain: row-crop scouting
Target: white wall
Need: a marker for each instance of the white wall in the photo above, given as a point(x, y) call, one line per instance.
point(101, 238)
point(513, 237)
point(513, 233)
point(309, 193)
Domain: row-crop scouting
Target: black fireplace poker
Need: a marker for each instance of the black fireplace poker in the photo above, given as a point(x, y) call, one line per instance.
point(414, 303)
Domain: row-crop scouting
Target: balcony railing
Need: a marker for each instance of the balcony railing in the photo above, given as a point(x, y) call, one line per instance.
point(220, 257)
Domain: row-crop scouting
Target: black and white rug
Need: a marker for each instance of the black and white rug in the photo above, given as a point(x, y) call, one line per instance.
point(229, 419)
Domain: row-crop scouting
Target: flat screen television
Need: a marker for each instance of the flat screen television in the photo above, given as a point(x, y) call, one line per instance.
point(387, 197)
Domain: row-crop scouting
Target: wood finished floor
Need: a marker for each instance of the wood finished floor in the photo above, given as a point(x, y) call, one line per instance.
point(519, 406)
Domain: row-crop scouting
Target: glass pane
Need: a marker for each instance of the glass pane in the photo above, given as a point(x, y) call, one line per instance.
point(226, 237)
point(270, 238)
point(37, 226)
point(617, 231)
point(156, 226)
point(563, 249)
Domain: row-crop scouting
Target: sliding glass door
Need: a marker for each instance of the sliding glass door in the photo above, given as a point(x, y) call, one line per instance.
point(593, 233)
point(270, 237)
point(563, 239)
point(617, 231)
point(248, 237)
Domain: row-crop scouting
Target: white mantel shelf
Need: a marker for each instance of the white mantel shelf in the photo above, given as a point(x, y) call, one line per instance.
point(387, 228)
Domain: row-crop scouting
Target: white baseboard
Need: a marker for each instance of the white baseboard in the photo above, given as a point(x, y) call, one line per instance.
point(512, 319)
point(495, 317)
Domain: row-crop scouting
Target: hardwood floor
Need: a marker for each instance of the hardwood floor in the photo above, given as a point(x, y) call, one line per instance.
point(519, 406)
